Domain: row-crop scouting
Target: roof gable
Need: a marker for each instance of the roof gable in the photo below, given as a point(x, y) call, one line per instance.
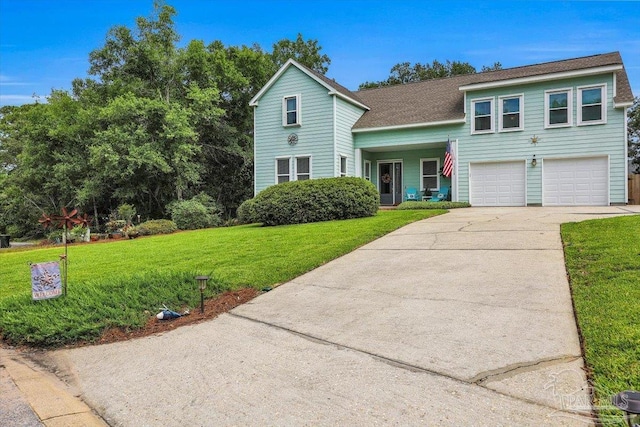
point(333, 87)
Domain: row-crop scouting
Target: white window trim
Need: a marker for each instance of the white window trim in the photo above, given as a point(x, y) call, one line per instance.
point(547, 118)
point(491, 100)
point(346, 165)
point(368, 178)
point(579, 90)
point(295, 165)
point(520, 96)
point(298, 110)
point(276, 167)
point(427, 159)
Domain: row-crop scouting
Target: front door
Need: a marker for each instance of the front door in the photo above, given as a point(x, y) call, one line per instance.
point(390, 179)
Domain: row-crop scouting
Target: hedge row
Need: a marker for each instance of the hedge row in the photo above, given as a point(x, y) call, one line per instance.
point(432, 205)
point(156, 226)
point(313, 200)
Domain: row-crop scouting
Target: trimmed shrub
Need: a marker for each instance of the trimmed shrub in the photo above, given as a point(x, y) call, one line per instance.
point(316, 200)
point(157, 226)
point(199, 212)
point(247, 212)
point(432, 205)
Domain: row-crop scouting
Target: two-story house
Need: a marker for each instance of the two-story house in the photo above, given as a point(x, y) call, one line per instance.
point(548, 134)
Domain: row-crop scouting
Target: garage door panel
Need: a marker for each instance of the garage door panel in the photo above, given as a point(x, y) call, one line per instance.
point(576, 182)
point(497, 184)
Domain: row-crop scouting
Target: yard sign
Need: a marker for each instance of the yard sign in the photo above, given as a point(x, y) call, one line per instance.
point(45, 280)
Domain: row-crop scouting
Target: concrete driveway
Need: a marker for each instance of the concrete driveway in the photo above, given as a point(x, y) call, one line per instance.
point(461, 319)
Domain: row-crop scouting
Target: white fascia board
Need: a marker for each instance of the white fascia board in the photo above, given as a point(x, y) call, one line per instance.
point(272, 80)
point(350, 100)
point(410, 126)
point(622, 104)
point(542, 78)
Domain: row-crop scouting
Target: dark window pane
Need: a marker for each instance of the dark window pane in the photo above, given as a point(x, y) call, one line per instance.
point(429, 167)
point(483, 123)
point(291, 104)
point(511, 121)
point(302, 165)
point(343, 165)
point(283, 167)
point(482, 108)
point(591, 113)
point(303, 177)
point(558, 100)
point(292, 118)
point(511, 105)
point(429, 182)
point(592, 96)
point(282, 179)
point(558, 116)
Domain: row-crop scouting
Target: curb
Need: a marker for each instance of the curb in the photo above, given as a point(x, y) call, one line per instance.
point(48, 397)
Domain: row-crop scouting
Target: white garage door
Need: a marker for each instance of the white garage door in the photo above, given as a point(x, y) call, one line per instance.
point(497, 184)
point(576, 182)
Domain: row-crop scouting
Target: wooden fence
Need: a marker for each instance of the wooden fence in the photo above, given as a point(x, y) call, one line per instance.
point(634, 189)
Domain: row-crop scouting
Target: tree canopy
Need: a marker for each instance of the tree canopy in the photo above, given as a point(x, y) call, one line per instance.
point(405, 72)
point(154, 123)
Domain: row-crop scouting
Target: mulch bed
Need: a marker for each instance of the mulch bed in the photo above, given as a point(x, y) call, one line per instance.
point(212, 308)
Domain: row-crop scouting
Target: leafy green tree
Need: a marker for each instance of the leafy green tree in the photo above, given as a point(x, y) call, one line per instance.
point(154, 124)
point(44, 156)
point(305, 52)
point(495, 67)
point(405, 72)
point(144, 62)
point(633, 135)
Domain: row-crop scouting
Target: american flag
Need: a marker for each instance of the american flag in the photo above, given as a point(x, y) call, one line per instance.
point(447, 168)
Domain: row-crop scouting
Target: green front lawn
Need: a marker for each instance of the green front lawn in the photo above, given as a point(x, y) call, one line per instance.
point(114, 283)
point(603, 261)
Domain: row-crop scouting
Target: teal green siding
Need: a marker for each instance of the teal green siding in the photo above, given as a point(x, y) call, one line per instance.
point(411, 173)
point(404, 137)
point(315, 135)
point(346, 116)
point(574, 141)
point(323, 134)
point(326, 133)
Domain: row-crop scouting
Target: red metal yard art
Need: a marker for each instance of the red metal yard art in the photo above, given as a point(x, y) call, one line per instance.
point(66, 221)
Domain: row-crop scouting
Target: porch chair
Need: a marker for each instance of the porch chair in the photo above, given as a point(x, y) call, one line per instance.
point(441, 195)
point(411, 194)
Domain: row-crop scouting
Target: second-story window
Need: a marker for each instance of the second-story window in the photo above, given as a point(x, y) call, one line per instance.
point(591, 105)
point(558, 108)
point(482, 116)
point(291, 110)
point(511, 113)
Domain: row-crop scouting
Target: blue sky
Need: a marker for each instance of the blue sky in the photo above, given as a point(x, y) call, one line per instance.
point(45, 44)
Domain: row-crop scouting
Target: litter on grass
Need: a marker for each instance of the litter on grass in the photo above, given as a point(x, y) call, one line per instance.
point(167, 314)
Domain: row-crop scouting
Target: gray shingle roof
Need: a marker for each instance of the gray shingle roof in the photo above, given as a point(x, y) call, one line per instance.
point(441, 100)
point(337, 86)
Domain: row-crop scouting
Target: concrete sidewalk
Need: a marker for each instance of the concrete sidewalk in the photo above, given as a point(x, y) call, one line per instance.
point(462, 319)
point(33, 397)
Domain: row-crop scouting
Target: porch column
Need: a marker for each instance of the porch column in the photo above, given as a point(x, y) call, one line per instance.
point(454, 177)
point(358, 160)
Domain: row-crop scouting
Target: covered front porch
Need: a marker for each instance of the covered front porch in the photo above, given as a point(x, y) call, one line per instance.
point(394, 170)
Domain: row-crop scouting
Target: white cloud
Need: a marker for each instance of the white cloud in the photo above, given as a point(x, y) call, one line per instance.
point(19, 99)
point(10, 81)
